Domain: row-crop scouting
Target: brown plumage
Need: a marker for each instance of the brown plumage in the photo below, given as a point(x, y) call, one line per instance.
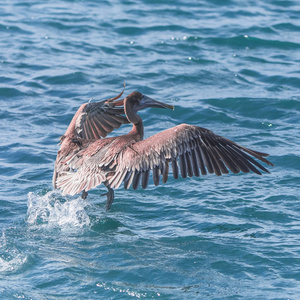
point(86, 159)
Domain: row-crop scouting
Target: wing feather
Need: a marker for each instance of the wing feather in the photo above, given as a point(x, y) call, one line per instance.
point(195, 163)
point(175, 168)
point(197, 149)
point(145, 178)
point(166, 172)
point(136, 180)
point(189, 163)
point(112, 122)
point(97, 119)
point(182, 163)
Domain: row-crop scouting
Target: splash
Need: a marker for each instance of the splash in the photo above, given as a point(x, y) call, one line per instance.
point(14, 262)
point(11, 259)
point(53, 210)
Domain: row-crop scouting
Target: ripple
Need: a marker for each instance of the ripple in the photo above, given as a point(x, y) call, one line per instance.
point(287, 27)
point(253, 42)
point(13, 29)
point(70, 78)
point(8, 93)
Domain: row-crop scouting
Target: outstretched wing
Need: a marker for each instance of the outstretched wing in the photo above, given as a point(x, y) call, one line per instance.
point(91, 122)
point(198, 150)
point(97, 119)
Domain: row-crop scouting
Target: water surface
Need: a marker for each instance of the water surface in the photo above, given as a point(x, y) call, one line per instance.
point(231, 66)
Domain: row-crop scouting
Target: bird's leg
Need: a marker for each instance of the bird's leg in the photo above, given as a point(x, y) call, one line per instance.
point(84, 194)
point(110, 197)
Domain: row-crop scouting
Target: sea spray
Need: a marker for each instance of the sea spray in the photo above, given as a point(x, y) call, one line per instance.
point(54, 211)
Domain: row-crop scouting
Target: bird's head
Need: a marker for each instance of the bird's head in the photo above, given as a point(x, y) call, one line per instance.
point(137, 101)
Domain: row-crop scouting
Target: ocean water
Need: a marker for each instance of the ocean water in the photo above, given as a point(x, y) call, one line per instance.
point(231, 66)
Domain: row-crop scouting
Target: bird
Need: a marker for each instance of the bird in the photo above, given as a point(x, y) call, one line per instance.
point(88, 158)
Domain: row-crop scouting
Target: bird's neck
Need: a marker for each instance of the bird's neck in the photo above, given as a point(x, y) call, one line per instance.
point(138, 129)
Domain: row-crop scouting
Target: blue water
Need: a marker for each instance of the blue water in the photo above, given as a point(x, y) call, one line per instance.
point(231, 66)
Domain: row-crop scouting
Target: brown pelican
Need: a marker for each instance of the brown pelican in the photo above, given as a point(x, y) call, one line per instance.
point(86, 158)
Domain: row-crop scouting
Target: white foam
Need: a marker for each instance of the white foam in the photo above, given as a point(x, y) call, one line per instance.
point(11, 259)
point(13, 263)
point(54, 210)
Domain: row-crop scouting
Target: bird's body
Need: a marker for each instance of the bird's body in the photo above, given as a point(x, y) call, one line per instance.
point(85, 160)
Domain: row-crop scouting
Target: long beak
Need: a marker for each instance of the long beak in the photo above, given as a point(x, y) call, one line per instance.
point(149, 102)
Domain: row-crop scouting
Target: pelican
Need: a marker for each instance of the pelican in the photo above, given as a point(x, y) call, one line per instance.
point(87, 158)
